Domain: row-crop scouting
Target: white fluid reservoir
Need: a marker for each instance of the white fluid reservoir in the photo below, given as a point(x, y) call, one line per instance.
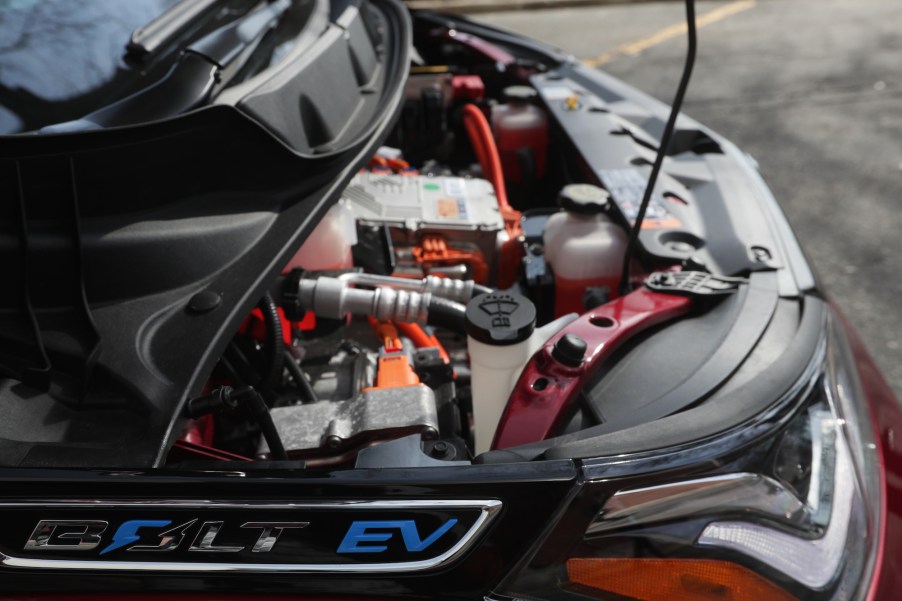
point(501, 338)
point(329, 244)
point(584, 248)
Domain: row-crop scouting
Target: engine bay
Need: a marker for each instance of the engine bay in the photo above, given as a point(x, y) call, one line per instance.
point(451, 283)
point(364, 300)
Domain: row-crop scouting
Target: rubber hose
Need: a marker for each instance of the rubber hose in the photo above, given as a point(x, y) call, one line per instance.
point(421, 339)
point(267, 427)
point(445, 313)
point(239, 362)
point(230, 369)
point(273, 345)
point(480, 133)
point(308, 395)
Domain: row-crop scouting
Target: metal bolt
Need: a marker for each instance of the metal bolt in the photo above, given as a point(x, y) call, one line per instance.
point(761, 254)
point(442, 450)
point(680, 247)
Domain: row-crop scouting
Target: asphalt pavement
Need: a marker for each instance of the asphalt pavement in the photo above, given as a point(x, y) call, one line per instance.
point(813, 90)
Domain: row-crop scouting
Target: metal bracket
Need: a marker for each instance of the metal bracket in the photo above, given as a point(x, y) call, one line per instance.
point(693, 283)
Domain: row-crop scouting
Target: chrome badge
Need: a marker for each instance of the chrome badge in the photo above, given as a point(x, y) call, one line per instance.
point(184, 536)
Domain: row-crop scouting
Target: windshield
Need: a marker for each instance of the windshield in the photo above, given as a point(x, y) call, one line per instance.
point(60, 59)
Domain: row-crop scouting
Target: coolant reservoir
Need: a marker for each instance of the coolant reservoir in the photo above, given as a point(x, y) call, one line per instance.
point(519, 125)
point(329, 245)
point(584, 247)
point(501, 338)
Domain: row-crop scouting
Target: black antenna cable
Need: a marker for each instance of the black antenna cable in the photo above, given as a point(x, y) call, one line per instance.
point(666, 138)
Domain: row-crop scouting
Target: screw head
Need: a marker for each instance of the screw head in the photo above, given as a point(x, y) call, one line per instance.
point(761, 254)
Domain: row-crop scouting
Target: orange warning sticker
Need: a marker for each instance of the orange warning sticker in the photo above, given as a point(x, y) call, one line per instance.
point(669, 222)
point(448, 208)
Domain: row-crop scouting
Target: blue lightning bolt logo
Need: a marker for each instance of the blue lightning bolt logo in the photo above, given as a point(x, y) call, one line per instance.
point(128, 533)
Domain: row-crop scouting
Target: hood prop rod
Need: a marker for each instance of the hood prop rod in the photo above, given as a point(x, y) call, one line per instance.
point(666, 138)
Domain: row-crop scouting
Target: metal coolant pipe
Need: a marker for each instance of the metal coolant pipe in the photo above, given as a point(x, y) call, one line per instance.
point(334, 298)
point(456, 290)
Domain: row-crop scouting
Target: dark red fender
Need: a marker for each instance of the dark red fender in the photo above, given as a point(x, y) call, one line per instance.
point(547, 388)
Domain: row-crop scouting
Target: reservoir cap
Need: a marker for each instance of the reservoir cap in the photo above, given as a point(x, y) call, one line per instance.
point(500, 318)
point(519, 94)
point(585, 199)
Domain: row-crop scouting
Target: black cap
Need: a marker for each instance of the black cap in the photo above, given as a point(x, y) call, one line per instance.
point(519, 94)
point(583, 198)
point(501, 318)
point(569, 350)
point(204, 301)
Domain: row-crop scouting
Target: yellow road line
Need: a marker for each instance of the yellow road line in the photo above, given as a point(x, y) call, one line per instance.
point(633, 48)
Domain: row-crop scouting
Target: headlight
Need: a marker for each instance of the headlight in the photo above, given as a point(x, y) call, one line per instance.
point(793, 514)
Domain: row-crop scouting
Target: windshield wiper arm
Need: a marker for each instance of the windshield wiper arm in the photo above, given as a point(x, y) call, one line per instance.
point(190, 82)
point(226, 43)
point(147, 40)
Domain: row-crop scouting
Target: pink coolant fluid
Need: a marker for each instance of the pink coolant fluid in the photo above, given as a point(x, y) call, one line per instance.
point(521, 131)
point(584, 247)
point(329, 244)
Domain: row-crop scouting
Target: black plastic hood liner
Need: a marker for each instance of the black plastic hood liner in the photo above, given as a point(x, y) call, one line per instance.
point(106, 236)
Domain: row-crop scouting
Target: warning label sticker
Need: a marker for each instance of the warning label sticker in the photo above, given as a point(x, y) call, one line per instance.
point(448, 201)
point(448, 208)
point(627, 186)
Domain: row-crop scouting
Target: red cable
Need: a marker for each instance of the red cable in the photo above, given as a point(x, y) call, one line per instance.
point(480, 133)
point(421, 339)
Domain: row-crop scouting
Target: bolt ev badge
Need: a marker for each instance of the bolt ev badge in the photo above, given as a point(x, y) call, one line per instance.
point(169, 540)
point(50, 535)
point(390, 536)
point(66, 534)
point(127, 533)
point(362, 532)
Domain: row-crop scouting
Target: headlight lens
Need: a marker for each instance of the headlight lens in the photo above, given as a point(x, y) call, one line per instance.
point(799, 521)
point(813, 561)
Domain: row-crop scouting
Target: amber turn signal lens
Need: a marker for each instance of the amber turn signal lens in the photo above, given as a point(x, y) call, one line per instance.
point(674, 579)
